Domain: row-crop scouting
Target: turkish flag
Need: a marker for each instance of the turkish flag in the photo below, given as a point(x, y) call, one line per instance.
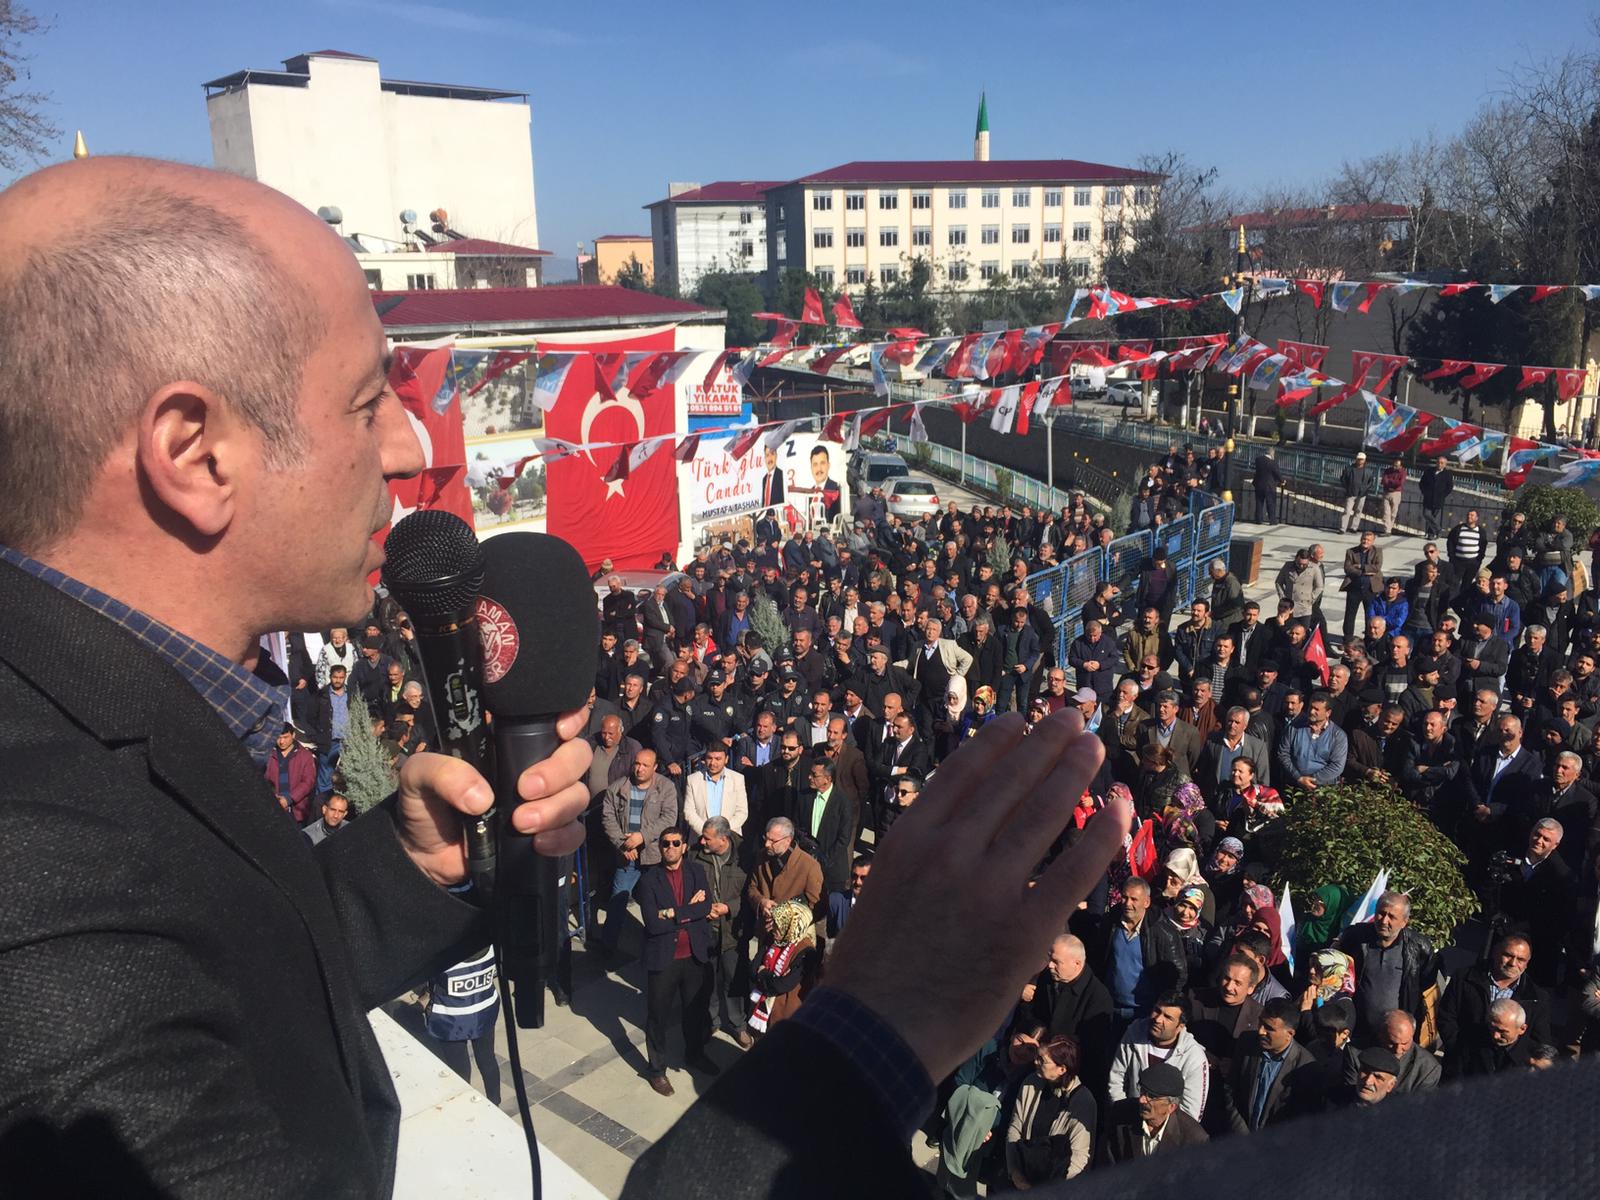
point(630, 521)
point(1313, 288)
point(844, 313)
point(1569, 383)
point(422, 379)
point(811, 312)
point(1533, 377)
point(1448, 367)
point(1480, 372)
point(1317, 654)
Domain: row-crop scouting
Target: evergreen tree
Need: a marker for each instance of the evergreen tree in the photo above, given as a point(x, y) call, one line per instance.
point(368, 778)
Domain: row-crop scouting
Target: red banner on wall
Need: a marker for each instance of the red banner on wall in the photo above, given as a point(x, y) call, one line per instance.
point(630, 521)
point(430, 394)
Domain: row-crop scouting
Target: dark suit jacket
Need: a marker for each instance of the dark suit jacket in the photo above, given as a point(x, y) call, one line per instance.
point(1122, 1134)
point(1295, 1091)
point(831, 844)
point(202, 975)
point(654, 894)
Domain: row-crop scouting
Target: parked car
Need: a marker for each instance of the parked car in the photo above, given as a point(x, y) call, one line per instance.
point(1127, 393)
point(868, 471)
point(911, 496)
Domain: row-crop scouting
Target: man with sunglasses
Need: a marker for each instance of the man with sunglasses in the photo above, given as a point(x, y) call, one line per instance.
point(675, 902)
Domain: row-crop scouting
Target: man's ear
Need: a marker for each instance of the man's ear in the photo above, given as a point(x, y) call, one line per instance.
point(191, 452)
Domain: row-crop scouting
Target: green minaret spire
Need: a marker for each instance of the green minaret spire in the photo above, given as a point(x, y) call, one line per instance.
point(983, 114)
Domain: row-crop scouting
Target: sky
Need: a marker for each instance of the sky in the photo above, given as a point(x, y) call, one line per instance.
point(627, 95)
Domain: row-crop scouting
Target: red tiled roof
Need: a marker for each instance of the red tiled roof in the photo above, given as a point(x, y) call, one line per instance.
point(1279, 217)
point(724, 191)
point(564, 303)
point(623, 237)
point(1020, 170)
point(484, 246)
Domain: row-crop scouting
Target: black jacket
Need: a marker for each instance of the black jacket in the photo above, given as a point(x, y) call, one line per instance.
point(200, 981)
point(1166, 966)
point(1465, 1006)
point(1420, 965)
point(1295, 1091)
point(654, 895)
point(1122, 1134)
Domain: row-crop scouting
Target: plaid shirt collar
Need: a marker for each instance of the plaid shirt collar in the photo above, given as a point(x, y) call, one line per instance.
point(252, 708)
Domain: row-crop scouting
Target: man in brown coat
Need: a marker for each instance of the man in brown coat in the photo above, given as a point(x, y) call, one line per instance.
point(1363, 578)
point(784, 873)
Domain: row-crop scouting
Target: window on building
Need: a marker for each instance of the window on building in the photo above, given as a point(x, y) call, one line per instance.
point(855, 201)
point(1113, 195)
point(1080, 231)
point(888, 201)
point(1112, 233)
point(958, 235)
point(824, 275)
point(748, 248)
point(1052, 233)
point(991, 197)
point(921, 199)
point(1052, 197)
point(1053, 268)
point(1021, 197)
point(989, 268)
point(1141, 196)
point(958, 197)
point(421, 283)
point(821, 239)
point(1078, 269)
point(1021, 270)
point(822, 202)
point(855, 275)
point(990, 235)
point(374, 279)
point(957, 272)
point(922, 236)
point(1020, 235)
point(855, 238)
point(746, 216)
point(1082, 197)
point(888, 274)
point(888, 237)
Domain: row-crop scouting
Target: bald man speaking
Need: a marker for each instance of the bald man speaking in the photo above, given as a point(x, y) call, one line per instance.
point(195, 437)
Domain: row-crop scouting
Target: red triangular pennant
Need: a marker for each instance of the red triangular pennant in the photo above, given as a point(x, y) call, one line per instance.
point(1533, 377)
point(1313, 288)
point(811, 311)
point(1569, 383)
point(1480, 373)
point(844, 314)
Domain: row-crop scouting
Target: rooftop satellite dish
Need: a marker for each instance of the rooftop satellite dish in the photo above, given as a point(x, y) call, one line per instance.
point(408, 216)
point(332, 214)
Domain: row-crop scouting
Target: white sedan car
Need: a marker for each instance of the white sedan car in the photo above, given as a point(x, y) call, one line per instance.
point(910, 496)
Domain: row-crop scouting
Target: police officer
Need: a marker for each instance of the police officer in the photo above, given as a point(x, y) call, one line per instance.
point(713, 717)
point(789, 704)
point(756, 685)
point(669, 733)
point(461, 1007)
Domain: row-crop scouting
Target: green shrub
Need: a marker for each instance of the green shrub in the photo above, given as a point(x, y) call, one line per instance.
point(1542, 503)
point(363, 762)
point(1003, 481)
point(1345, 834)
point(1000, 555)
point(768, 622)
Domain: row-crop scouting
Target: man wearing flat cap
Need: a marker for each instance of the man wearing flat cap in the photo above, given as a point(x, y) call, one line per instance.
point(1151, 1122)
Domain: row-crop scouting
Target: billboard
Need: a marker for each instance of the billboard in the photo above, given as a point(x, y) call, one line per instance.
point(801, 480)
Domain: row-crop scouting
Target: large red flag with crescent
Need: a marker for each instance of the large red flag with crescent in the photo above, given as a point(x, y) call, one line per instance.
point(630, 521)
point(428, 386)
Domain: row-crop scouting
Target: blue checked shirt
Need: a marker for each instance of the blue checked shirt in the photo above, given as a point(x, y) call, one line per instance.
point(252, 708)
point(888, 1066)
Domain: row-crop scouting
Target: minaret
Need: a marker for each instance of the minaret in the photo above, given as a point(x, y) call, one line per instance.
point(980, 140)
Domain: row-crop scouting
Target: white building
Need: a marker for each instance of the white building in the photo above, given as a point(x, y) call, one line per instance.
point(971, 220)
point(463, 263)
point(329, 131)
point(720, 226)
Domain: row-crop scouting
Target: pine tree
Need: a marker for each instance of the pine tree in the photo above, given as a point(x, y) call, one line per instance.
point(766, 621)
point(368, 779)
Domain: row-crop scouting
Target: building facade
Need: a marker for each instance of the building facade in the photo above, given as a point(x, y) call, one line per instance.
point(331, 132)
point(972, 221)
point(612, 254)
point(464, 263)
point(718, 226)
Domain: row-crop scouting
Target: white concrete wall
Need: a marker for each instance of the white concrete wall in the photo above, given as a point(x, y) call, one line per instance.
point(341, 140)
point(705, 236)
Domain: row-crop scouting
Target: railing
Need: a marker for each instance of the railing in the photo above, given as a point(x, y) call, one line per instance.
point(1191, 542)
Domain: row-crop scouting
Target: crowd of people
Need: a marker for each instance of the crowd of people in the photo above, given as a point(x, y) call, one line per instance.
point(762, 719)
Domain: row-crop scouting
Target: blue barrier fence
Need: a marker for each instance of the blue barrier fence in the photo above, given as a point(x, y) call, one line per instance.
point(1191, 544)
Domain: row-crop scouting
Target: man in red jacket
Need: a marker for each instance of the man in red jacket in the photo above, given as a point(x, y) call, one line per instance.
point(291, 770)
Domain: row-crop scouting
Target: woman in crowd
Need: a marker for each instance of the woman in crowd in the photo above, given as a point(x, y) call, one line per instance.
point(1051, 1134)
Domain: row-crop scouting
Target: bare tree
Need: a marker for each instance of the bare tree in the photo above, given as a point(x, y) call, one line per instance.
point(24, 130)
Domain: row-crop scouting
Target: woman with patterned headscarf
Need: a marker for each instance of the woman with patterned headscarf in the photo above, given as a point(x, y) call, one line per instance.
point(784, 975)
point(1184, 912)
point(1186, 821)
point(1181, 869)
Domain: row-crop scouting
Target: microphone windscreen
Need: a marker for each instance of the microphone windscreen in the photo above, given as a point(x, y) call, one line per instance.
point(433, 565)
point(540, 624)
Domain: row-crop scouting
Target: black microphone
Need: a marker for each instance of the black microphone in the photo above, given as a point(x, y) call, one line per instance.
point(434, 567)
point(540, 625)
